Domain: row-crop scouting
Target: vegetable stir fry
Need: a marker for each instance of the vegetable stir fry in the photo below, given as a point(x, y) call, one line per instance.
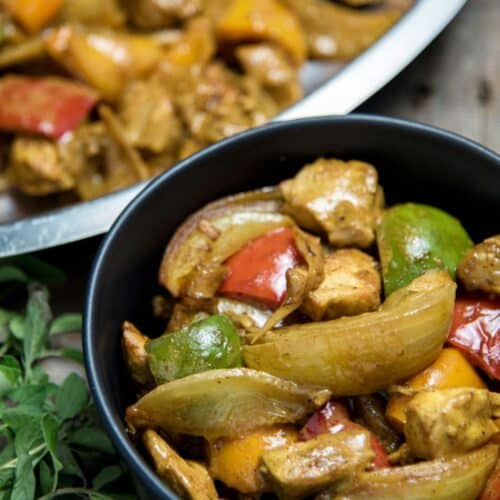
point(99, 94)
point(320, 345)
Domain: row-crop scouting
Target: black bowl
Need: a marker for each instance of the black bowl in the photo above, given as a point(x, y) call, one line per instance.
point(415, 162)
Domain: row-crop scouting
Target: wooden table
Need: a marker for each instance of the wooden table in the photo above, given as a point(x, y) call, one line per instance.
point(455, 83)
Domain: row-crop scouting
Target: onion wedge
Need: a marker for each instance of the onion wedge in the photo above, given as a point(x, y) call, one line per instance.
point(460, 478)
point(224, 403)
point(366, 353)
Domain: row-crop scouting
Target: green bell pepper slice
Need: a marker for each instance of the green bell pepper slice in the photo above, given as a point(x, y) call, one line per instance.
point(413, 238)
point(208, 344)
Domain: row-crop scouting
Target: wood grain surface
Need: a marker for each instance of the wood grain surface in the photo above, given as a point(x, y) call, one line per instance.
point(455, 83)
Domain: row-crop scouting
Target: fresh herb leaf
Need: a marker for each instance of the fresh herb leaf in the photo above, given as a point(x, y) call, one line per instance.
point(93, 438)
point(74, 354)
point(17, 326)
point(70, 464)
point(106, 476)
point(24, 484)
point(45, 477)
point(29, 439)
point(10, 374)
point(49, 429)
point(66, 323)
point(50, 442)
point(37, 269)
point(12, 273)
point(72, 397)
point(38, 317)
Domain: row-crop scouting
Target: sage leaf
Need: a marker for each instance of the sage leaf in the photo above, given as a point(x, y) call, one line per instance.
point(66, 323)
point(72, 397)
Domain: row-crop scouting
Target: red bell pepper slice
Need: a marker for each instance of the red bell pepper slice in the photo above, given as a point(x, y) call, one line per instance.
point(476, 332)
point(257, 272)
point(48, 106)
point(334, 418)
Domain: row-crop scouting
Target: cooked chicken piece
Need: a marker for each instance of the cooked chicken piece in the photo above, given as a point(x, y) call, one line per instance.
point(351, 286)
point(218, 103)
point(94, 12)
point(189, 479)
point(36, 167)
point(183, 316)
point(156, 14)
point(134, 354)
point(298, 470)
point(148, 115)
point(268, 63)
point(270, 66)
point(446, 422)
point(341, 33)
point(480, 268)
point(361, 3)
point(101, 164)
point(343, 199)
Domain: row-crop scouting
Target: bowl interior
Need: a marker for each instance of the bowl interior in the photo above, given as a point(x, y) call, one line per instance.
point(415, 163)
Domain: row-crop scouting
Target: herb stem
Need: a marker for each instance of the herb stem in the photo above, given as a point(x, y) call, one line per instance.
point(11, 464)
point(65, 491)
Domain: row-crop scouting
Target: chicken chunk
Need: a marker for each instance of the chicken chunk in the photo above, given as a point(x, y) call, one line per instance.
point(220, 103)
point(157, 14)
point(149, 117)
point(189, 479)
point(446, 422)
point(480, 268)
point(270, 65)
point(298, 470)
point(351, 286)
point(36, 167)
point(135, 355)
point(343, 199)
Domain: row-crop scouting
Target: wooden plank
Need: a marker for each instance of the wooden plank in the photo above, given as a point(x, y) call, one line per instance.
point(455, 83)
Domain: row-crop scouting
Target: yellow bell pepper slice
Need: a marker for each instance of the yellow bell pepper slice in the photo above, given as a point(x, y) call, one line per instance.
point(451, 369)
point(263, 20)
point(33, 15)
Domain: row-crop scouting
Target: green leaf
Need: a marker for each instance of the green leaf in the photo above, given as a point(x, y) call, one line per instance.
point(21, 416)
point(45, 477)
point(28, 437)
point(49, 429)
point(12, 273)
point(94, 495)
point(6, 316)
point(6, 479)
point(70, 465)
point(66, 323)
point(10, 374)
point(106, 476)
point(74, 354)
point(24, 483)
point(17, 326)
point(93, 438)
point(38, 317)
point(72, 397)
point(37, 269)
point(32, 394)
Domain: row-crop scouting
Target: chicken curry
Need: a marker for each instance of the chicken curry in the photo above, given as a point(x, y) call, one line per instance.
point(318, 344)
point(100, 94)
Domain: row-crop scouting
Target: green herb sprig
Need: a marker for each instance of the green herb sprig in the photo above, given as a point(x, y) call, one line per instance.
point(51, 444)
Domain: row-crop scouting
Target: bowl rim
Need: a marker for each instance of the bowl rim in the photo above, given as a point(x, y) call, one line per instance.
point(137, 464)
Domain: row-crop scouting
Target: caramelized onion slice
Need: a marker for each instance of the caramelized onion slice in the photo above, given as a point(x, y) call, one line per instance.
point(459, 478)
point(366, 353)
point(217, 231)
point(224, 403)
